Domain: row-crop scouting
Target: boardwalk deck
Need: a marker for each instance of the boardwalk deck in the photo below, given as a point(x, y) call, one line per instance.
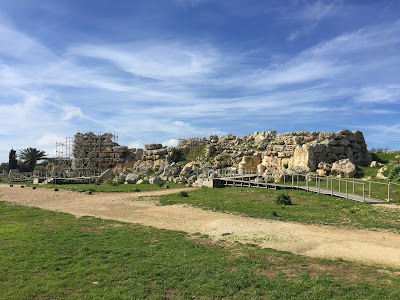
point(248, 181)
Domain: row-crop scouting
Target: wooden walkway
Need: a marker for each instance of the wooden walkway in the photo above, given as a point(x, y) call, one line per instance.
point(248, 181)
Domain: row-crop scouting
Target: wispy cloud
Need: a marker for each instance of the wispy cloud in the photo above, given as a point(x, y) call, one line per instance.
point(312, 14)
point(379, 94)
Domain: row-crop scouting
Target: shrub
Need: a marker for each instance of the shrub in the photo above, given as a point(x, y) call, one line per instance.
point(394, 173)
point(161, 183)
point(184, 194)
point(285, 166)
point(283, 199)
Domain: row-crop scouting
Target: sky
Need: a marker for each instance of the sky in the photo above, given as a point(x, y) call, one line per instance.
point(154, 71)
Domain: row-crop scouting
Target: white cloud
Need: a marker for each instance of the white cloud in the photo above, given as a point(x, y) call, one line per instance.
point(312, 13)
point(71, 111)
point(48, 142)
point(136, 144)
point(163, 60)
point(170, 143)
point(379, 94)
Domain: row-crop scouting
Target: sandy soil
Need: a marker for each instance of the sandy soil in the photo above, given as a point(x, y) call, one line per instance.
point(370, 247)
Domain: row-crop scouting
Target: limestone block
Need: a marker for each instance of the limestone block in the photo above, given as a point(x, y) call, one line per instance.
point(153, 146)
point(344, 167)
point(107, 174)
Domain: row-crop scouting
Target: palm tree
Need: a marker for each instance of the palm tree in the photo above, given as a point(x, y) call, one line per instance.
point(31, 156)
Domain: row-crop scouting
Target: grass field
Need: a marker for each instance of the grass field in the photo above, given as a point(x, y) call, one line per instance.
point(49, 255)
point(105, 187)
point(307, 207)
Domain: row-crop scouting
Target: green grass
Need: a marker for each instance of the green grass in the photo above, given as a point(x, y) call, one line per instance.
point(49, 255)
point(105, 187)
point(307, 207)
point(385, 157)
point(186, 155)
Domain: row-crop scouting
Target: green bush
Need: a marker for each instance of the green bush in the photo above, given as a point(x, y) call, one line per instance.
point(283, 199)
point(394, 173)
point(184, 194)
point(161, 183)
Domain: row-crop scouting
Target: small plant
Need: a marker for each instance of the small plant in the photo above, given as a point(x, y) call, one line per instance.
point(283, 199)
point(136, 190)
point(161, 183)
point(184, 194)
point(285, 166)
point(274, 214)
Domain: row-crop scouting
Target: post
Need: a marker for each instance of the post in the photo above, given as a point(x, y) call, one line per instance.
point(369, 190)
point(347, 192)
point(307, 182)
point(319, 185)
point(389, 192)
point(363, 192)
point(297, 180)
point(354, 186)
point(292, 180)
point(331, 186)
point(284, 179)
point(339, 184)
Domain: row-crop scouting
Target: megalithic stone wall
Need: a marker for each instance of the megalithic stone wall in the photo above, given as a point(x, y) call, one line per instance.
point(96, 153)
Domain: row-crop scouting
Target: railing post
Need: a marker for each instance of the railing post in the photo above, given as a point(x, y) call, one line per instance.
point(284, 179)
point(347, 191)
point(339, 184)
point(354, 186)
point(319, 185)
point(363, 192)
point(297, 180)
point(369, 190)
point(331, 186)
point(307, 182)
point(292, 181)
point(389, 192)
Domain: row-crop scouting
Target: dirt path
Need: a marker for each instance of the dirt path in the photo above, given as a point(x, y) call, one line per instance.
point(371, 247)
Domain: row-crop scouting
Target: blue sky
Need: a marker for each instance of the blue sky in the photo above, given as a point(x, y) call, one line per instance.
point(154, 71)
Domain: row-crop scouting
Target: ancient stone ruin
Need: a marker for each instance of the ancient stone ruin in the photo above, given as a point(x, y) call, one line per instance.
point(321, 152)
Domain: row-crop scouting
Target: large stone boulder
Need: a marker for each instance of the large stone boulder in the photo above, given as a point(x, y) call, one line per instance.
point(132, 178)
point(107, 174)
point(248, 162)
point(154, 179)
point(344, 167)
point(171, 170)
point(153, 146)
point(380, 173)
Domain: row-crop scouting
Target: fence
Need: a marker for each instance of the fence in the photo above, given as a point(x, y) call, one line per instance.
point(350, 188)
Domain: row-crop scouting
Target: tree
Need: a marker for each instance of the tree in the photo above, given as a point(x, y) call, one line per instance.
point(31, 156)
point(12, 160)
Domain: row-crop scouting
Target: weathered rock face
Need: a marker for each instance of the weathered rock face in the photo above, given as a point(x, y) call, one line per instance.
point(284, 150)
point(327, 147)
point(100, 152)
point(249, 162)
point(344, 167)
point(132, 178)
point(107, 174)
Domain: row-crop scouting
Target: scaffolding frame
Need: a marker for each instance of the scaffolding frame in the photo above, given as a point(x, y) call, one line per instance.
point(88, 156)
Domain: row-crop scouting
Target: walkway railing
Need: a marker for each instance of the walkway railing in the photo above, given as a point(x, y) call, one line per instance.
point(350, 188)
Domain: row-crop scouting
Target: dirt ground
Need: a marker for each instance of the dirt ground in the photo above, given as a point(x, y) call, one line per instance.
point(370, 247)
